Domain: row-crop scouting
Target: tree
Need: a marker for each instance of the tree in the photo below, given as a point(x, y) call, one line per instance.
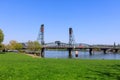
point(33, 45)
point(37, 45)
point(1, 40)
point(14, 45)
point(2, 46)
point(30, 45)
point(1, 36)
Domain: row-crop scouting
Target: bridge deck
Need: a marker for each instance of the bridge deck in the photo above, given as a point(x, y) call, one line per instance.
point(67, 47)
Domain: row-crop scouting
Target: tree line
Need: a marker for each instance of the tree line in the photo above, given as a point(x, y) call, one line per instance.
point(14, 45)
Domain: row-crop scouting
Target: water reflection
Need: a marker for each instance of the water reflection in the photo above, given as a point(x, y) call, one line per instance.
point(81, 55)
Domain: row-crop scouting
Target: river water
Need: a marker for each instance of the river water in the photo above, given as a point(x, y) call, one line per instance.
point(82, 55)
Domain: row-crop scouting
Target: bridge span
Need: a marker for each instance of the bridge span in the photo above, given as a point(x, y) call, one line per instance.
point(91, 49)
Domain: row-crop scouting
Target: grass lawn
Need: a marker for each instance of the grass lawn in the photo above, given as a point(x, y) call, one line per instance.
point(22, 67)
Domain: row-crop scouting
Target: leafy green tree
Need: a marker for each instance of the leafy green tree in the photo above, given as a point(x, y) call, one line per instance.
point(37, 45)
point(1, 36)
point(2, 46)
point(30, 45)
point(34, 45)
point(1, 40)
point(14, 45)
point(7, 47)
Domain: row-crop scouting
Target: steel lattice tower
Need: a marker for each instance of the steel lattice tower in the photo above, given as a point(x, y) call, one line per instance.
point(71, 37)
point(41, 35)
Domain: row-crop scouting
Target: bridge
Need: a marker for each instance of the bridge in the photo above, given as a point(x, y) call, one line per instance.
point(71, 45)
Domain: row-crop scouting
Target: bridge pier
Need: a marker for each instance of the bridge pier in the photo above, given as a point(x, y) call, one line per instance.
point(43, 52)
point(90, 51)
point(104, 51)
point(70, 52)
point(115, 50)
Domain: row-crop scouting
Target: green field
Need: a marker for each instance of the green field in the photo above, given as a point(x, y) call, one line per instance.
point(22, 67)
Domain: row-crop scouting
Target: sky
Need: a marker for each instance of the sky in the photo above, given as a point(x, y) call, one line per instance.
point(92, 21)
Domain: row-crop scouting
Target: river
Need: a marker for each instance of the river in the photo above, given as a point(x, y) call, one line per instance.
point(81, 55)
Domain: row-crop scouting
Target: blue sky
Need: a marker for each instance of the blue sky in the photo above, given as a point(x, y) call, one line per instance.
point(93, 21)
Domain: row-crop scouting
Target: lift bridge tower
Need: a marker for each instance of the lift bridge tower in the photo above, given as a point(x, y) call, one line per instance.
point(41, 35)
point(71, 42)
point(71, 38)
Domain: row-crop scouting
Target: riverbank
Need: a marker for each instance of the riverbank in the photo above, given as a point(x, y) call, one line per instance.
point(23, 67)
point(32, 55)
